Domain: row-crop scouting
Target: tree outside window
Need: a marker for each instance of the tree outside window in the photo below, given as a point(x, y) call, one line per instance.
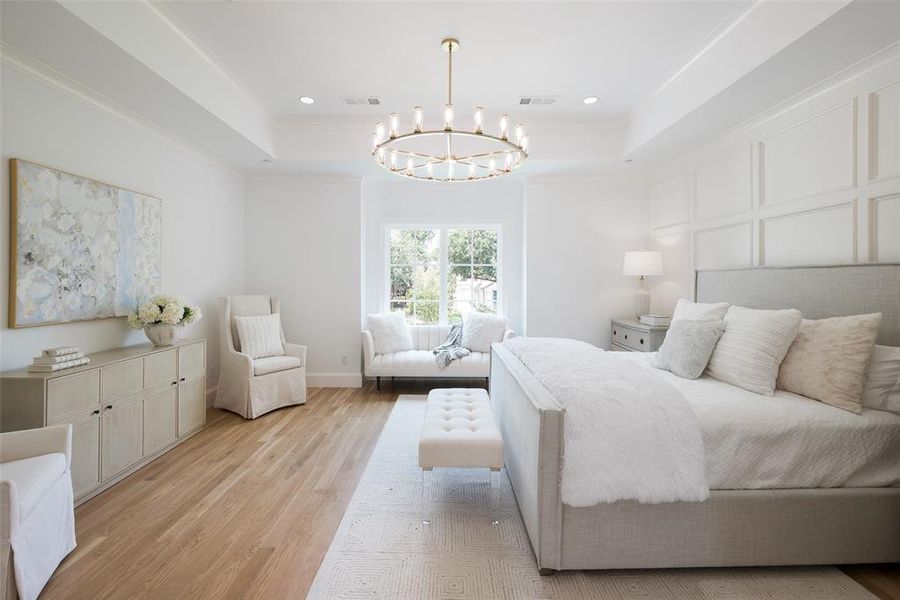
point(438, 274)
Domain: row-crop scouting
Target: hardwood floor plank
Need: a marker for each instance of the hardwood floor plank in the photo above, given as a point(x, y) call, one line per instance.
point(247, 509)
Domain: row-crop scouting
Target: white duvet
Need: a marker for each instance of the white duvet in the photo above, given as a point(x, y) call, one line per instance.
point(627, 436)
point(786, 440)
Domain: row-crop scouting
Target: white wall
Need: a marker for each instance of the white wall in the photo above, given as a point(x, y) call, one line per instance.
point(578, 231)
point(813, 181)
point(495, 202)
point(202, 211)
point(303, 244)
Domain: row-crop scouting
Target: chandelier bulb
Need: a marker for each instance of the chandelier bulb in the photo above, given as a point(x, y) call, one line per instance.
point(504, 127)
point(448, 117)
point(395, 124)
point(479, 119)
point(379, 131)
point(520, 133)
point(509, 160)
point(409, 166)
point(429, 170)
point(492, 166)
point(471, 170)
point(393, 160)
point(381, 155)
point(450, 164)
point(524, 143)
point(418, 123)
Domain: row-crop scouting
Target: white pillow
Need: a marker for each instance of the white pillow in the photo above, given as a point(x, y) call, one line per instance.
point(753, 345)
point(882, 389)
point(699, 311)
point(390, 332)
point(688, 346)
point(260, 335)
point(480, 330)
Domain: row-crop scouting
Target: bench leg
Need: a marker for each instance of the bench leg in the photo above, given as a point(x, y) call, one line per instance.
point(426, 497)
point(495, 496)
point(378, 384)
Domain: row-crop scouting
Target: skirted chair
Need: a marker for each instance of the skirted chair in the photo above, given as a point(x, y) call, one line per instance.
point(37, 509)
point(252, 387)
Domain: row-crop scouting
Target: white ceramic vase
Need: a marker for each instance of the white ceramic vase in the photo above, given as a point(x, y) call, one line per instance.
point(161, 334)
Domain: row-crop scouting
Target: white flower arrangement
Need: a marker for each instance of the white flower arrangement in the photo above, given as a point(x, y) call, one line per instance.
point(170, 310)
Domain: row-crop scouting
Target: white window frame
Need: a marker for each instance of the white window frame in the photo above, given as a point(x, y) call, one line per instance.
point(443, 261)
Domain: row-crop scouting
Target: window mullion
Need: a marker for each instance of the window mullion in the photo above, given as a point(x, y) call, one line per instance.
point(443, 318)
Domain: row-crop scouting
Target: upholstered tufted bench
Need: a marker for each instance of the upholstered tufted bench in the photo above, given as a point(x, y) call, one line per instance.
point(460, 431)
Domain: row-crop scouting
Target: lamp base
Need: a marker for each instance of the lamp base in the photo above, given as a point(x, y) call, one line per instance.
point(641, 303)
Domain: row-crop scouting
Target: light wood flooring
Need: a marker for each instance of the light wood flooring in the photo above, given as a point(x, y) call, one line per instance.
point(247, 509)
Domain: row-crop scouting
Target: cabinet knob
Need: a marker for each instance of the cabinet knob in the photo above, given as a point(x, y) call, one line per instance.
point(109, 407)
point(182, 379)
point(614, 332)
point(95, 412)
point(174, 383)
point(642, 340)
point(626, 336)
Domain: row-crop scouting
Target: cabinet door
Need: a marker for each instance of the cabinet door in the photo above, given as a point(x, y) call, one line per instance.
point(191, 360)
point(121, 379)
point(85, 449)
point(191, 404)
point(160, 419)
point(121, 436)
point(160, 369)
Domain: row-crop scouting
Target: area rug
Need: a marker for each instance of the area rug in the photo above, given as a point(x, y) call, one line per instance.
point(382, 550)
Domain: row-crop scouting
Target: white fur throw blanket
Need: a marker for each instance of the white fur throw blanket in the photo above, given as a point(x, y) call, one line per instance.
point(629, 435)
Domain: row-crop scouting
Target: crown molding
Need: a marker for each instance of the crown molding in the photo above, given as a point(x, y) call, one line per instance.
point(48, 76)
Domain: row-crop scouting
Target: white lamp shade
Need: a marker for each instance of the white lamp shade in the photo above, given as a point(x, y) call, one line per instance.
point(643, 263)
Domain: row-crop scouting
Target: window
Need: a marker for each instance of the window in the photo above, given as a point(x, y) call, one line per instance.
point(437, 274)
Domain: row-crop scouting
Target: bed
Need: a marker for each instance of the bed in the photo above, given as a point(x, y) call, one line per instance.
point(848, 517)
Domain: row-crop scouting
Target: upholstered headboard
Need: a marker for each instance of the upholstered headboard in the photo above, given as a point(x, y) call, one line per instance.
point(817, 292)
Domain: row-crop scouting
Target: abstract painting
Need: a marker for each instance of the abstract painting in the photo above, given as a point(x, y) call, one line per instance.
point(81, 249)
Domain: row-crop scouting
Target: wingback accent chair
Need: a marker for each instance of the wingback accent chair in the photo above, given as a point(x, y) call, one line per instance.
point(252, 387)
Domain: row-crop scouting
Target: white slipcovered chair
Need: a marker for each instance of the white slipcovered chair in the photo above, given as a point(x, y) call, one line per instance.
point(252, 387)
point(37, 509)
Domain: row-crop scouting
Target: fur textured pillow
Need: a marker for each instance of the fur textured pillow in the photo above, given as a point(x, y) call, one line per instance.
point(260, 335)
point(829, 358)
point(688, 346)
point(752, 346)
point(882, 389)
point(480, 330)
point(390, 333)
point(699, 311)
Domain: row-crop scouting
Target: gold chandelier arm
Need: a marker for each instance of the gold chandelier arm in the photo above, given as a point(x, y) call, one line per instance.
point(450, 74)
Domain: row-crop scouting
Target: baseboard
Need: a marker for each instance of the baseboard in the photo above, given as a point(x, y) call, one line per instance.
point(351, 380)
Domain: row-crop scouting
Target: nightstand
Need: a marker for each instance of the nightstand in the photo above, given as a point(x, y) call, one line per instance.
point(630, 335)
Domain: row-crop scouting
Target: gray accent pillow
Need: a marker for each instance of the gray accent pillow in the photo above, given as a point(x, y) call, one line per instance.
point(688, 346)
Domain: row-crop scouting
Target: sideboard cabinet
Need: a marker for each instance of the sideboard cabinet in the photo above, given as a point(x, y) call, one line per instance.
point(127, 407)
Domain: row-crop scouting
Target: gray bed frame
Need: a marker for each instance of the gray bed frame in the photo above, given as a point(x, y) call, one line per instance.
point(732, 527)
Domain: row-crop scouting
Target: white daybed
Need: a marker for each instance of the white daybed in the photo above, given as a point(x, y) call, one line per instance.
point(420, 362)
point(858, 523)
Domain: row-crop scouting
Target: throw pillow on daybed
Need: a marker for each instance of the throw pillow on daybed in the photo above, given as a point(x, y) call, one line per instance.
point(752, 346)
point(828, 360)
point(688, 346)
point(390, 333)
point(480, 330)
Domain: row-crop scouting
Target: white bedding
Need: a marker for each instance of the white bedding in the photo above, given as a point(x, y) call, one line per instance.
point(786, 440)
point(623, 441)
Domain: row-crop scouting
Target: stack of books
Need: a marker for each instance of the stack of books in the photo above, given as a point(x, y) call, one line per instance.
point(57, 359)
point(656, 320)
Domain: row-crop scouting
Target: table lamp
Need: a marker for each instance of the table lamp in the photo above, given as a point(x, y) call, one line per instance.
point(642, 263)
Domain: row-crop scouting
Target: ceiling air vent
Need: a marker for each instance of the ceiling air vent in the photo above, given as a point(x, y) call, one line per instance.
point(537, 100)
point(355, 100)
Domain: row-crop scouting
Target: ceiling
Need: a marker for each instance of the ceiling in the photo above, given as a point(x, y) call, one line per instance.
point(618, 51)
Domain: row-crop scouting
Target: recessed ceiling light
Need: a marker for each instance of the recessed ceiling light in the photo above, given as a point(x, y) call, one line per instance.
point(306, 100)
point(590, 100)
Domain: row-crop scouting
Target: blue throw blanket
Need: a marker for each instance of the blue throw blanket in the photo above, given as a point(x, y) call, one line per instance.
point(452, 349)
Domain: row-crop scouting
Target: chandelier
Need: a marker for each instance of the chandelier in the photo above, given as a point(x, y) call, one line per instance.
point(449, 154)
